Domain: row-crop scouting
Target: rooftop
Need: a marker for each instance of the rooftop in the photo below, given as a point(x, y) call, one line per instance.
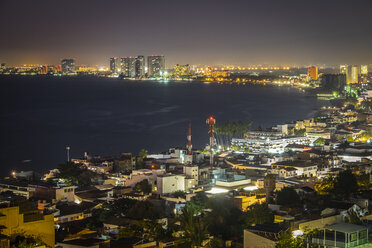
point(296, 163)
point(346, 228)
point(84, 242)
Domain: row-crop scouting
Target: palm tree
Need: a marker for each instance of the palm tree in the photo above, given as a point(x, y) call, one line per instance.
point(194, 227)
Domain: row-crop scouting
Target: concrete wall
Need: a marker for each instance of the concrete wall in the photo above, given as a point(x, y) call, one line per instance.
point(67, 193)
point(14, 223)
point(170, 184)
point(191, 172)
point(233, 183)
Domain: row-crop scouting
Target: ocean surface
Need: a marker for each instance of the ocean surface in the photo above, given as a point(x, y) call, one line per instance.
point(40, 116)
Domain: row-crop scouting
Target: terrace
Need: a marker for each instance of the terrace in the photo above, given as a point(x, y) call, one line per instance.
point(341, 235)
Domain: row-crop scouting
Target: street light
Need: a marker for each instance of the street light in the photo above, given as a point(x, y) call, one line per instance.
point(68, 153)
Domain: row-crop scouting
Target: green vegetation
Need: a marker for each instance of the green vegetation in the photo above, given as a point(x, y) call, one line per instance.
point(25, 241)
point(225, 220)
point(287, 240)
point(194, 227)
point(199, 202)
point(325, 187)
point(366, 106)
point(299, 132)
point(140, 163)
point(258, 214)
point(353, 218)
point(123, 207)
point(288, 197)
point(148, 229)
point(345, 184)
point(143, 187)
point(179, 194)
point(363, 181)
point(76, 174)
point(351, 91)
point(143, 210)
point(319, 142)
point(230, 129)
point(143, 153)
point(240, 148)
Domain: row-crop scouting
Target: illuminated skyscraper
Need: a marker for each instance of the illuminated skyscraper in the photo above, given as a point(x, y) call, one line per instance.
point(68, 66)
point(352, 74)
point(132, 67)
point(124, 64)
point(156, 64)
point(312, 72)
point(364, 70)
point(115, 65)
point(140, 66)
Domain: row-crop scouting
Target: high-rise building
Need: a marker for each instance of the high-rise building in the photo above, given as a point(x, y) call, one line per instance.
point(352, 74)
point(68, 66)
point(132, 67)
point(124, 63)
point(364, 70)
point(312, 72)
point(115, 65)
point(156, 64)
point(140, 66)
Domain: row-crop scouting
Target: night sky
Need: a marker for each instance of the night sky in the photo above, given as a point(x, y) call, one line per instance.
point(196, 32)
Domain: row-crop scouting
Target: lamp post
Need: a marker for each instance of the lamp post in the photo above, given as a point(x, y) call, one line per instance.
point(68, 153)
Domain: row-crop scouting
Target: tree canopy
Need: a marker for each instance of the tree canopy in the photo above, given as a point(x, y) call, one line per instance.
point(143, 153)
point(259, 214)
point(345, 184)
point(230, 129)
point(76, 174)
point(143, 186)
point(194, 227)
point(288, 197)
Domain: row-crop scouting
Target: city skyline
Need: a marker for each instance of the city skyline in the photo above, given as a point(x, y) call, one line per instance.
point(243, 33)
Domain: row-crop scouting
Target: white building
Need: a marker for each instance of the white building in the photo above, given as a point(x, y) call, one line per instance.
point(270, 144)
point(302, 168)
point(191, 171)
point(169, 183)
point(139, 175)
